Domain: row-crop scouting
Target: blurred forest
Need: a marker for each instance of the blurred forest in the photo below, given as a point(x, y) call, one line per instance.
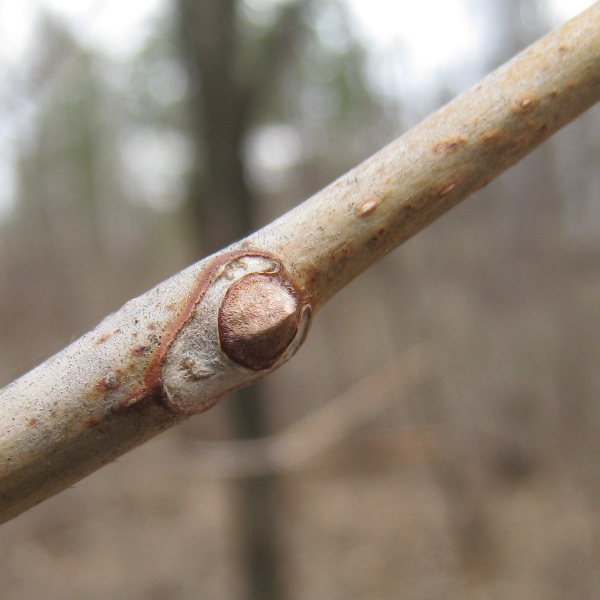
point(469, 473)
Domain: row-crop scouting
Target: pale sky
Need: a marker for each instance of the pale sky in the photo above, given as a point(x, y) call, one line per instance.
point(115, 26)
point(119, 27)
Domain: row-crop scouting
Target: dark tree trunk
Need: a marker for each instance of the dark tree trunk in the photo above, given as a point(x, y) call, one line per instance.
point(221, 205)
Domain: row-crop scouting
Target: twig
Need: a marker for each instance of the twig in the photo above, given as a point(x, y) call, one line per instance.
point(236, 316)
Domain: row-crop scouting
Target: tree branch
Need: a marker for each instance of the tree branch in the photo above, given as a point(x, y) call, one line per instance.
point(322, 429)
point(236, 316)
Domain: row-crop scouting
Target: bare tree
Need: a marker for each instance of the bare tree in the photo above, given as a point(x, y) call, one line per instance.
point(236, 78)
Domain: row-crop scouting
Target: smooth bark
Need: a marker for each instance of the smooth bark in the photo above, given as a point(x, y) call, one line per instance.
point(159, 358)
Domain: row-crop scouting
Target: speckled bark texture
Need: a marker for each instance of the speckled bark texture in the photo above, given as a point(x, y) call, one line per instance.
point(175, 350)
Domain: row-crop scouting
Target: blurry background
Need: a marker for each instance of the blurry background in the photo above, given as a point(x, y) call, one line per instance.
point(136, 137)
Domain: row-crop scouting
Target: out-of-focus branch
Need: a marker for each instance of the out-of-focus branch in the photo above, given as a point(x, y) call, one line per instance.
point(321, 430)
point(238, 315)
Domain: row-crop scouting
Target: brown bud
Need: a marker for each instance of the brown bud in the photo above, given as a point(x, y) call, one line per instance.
point(258, 319)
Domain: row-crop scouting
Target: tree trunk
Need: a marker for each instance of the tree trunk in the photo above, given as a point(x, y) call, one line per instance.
point(222, 206)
